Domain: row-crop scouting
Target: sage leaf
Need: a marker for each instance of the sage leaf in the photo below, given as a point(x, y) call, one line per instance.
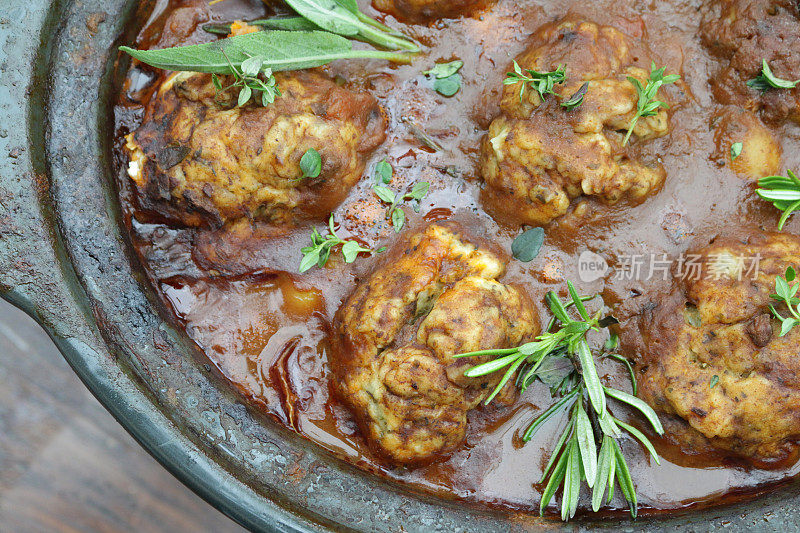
point(281, 50)
point(528, 244)
point(328, 15)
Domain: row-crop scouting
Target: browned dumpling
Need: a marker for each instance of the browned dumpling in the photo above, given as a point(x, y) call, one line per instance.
point(537, 157)
point(428, 10)
point(760, 151)
point(201, 160)
point(743, 33)
point(713, 354)
point(435, 295)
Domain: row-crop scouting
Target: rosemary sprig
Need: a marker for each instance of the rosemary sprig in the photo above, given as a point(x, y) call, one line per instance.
point(766, 80)
point(317, 254)
point(541, 82)
point(647, 105)
point(587, 450)
point(783, 192)
point(786, 292)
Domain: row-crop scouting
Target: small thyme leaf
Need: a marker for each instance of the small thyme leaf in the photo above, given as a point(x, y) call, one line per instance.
point(541, 82)
point(418, 191)
point(445, 70)
point(398, 219)
point(244, 95)
point(576, 99)
point(647, 105)
point(383, 172)
point(447, 86)
point(446, 80)
point(311, 163)
point(766, 80)
point(713, 382)
point(384, 193)
point(736, 150)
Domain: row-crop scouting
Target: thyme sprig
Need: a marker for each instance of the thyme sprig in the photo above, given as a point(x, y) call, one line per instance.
point(786, 293)
point(783, 192)
point(253, 79)
point(588, 449)
point(647, 105)
point(541, 82)
point(317, 254)
point(394, 212)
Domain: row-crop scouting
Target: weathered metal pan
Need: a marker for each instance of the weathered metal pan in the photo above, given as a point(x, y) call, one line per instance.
point(64, 259)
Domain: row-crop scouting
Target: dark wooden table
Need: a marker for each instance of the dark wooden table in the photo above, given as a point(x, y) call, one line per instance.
point(65, 463)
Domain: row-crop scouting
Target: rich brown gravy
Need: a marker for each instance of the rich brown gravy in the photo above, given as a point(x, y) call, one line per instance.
point(239, 298)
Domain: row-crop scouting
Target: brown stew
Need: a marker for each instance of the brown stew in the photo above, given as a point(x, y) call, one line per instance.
point(237, 293)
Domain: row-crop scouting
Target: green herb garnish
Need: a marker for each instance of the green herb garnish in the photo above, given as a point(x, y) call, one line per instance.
point(576, 99)
point(786, 292)
point(273, 23)
point(317, 254)
point(311, 163)
point(587, 449)
point(736, 150)
point(647, 105)
point(541, 82)
point(713, 382)
point(766, 80)
point(277, 50)
point(383, 172)
point(394, 212)
point(344, 18)
point(253, 79)
point(783, 192)
point(527, 244)
point(446, 80)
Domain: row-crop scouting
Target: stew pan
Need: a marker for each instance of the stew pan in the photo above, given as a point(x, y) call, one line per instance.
point(64, 260)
